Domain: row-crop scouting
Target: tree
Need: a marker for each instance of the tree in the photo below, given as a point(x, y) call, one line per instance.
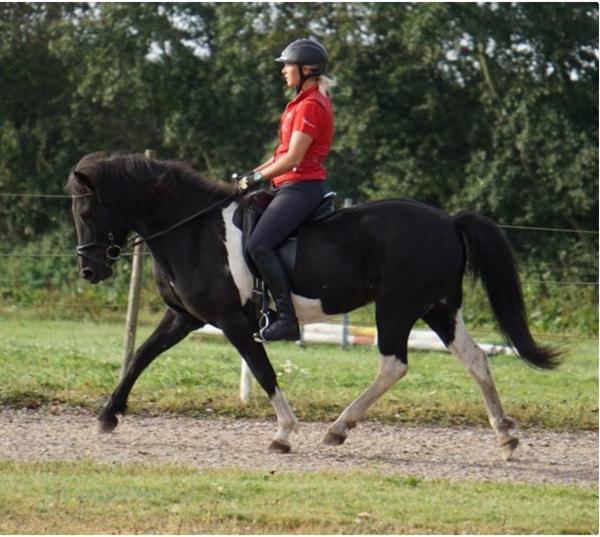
point(490, 107)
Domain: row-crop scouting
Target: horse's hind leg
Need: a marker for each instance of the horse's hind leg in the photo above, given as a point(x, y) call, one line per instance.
point(173, 327)
point(391, 370)
point(454, 334)
point(392, 341)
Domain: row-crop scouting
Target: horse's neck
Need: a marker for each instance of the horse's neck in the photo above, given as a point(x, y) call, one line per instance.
point(156, 217)
point(195, 235)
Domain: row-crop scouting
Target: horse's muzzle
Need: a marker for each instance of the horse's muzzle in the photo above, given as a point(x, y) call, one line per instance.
point(95, 275)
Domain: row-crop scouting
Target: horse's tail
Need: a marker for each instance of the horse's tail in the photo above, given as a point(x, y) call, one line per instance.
point(491, 259)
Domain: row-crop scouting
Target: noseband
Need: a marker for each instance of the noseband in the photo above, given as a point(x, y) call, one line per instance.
point(113, 250)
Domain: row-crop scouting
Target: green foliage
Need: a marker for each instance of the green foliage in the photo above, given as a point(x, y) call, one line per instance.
point(490, 107)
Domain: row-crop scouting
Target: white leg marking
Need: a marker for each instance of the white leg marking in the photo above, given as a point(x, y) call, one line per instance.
point(468, 352)
point(391, 370)
point(475, 362)
point(242, 277)
point(286, 420)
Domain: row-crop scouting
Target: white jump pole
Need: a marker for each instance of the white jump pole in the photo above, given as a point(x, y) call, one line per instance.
point(245, 382)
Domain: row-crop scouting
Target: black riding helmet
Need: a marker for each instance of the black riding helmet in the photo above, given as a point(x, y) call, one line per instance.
point(305, 52)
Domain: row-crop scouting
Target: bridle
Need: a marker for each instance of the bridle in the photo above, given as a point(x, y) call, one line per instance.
point(113, 250)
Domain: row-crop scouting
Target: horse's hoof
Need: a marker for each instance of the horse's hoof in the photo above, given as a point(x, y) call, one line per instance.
point(508, 447)
point(279, 447)
point(333, 439)
point(107, 424)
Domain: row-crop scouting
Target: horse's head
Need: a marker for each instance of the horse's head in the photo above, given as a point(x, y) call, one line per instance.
point(100, 226)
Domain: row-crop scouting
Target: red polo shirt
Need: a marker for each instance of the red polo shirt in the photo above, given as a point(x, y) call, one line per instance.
point(309, 112)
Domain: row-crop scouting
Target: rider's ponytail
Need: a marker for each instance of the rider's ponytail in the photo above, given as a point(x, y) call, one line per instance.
point(326, 83)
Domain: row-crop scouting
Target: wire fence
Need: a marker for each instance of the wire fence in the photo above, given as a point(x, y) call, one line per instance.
point(524, 282)
point(532, 267)
point(504, 226)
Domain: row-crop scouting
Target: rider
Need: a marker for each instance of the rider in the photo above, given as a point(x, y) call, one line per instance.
point(296, 171)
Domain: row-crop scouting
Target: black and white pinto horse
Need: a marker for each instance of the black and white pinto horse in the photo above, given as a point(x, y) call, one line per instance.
point(407, 257)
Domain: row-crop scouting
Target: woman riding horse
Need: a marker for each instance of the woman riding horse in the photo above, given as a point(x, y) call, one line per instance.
point(296, 171)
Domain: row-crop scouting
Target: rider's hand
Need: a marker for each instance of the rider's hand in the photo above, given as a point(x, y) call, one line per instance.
point(247, 181)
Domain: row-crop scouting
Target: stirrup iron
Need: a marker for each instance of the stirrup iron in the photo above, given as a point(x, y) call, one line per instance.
point(265, 317)
point(263, 324)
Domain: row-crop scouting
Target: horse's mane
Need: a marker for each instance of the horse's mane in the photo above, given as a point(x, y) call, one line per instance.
point(133, 179)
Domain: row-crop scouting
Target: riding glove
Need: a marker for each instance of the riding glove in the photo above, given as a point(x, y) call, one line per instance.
point(247, 181)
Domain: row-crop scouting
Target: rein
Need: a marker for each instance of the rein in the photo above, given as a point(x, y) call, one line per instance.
point(139, 239)
point(114, 251)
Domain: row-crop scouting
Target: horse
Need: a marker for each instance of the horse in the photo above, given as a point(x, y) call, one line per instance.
point(405, 256)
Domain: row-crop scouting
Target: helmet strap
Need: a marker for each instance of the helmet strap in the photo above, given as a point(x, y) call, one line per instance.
point(303, 78)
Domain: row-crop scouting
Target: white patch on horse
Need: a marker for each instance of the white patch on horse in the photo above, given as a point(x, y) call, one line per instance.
point(238, 268)
point(286, 420)
point(475, 362)
point(468, 352)
point(308, 310)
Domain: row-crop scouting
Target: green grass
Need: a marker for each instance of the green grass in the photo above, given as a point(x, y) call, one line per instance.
point(78, 363)
point(85, 497)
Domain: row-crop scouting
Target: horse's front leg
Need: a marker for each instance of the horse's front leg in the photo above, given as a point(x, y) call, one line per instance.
point(173, 327)
point(237, 329)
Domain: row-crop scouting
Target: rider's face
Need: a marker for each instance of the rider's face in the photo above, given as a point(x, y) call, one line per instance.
point(291, 75)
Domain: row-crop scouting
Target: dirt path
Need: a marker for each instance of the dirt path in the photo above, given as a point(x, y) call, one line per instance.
point(428, 452)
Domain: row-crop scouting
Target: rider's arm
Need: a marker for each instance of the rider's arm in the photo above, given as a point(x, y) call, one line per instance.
point(299, 144)
point(263, 166)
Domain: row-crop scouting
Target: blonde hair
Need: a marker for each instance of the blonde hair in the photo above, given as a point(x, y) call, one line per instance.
point(326, 83)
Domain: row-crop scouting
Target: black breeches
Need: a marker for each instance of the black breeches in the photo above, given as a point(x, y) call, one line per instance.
point(293, 203)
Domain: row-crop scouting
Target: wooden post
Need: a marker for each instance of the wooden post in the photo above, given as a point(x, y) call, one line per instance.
point(133, 302)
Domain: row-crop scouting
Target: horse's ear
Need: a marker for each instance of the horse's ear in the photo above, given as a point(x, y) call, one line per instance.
point(84, 180)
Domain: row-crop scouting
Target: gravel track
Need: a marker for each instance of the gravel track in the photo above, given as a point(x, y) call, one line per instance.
point(456, 453)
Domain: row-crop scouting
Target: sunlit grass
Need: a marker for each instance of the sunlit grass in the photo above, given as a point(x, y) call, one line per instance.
point(86, 498)
point(78, 363)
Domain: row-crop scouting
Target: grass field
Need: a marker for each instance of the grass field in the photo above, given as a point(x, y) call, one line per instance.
point(78, 363)
point(90, 498)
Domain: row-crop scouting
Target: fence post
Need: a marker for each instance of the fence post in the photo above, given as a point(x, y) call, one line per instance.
point(133, 302)
point(346, 316)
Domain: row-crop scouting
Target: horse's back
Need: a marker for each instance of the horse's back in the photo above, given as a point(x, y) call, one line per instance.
point(392, 244)
point(376, 223)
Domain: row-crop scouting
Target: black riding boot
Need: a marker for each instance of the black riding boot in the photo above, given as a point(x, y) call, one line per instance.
point(286, 326)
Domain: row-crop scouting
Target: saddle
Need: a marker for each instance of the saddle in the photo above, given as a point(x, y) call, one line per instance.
point(245, 217)
point(252, 207)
